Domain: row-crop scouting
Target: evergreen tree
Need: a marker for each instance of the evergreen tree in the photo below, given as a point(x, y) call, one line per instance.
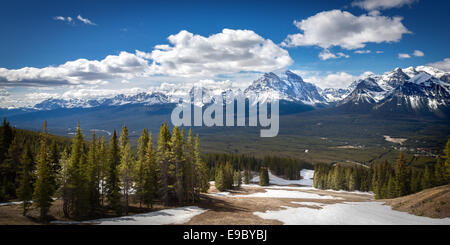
point(54, 158)
point(427, 180)
point(126, 170)
point(177, 159)
point(25, 190)
point(246, 176)
point(42, 196)
point(9, 169)
point(264, 177)
point(77, 192)
point(401, 176)
point(202, 183)
point(151, 180)
point(112, 176)
point(141, 165)
point(93, 175)
point(103, 165)
point(190, 167)
point(219, 179)
point(447, 161)
point(163, 158)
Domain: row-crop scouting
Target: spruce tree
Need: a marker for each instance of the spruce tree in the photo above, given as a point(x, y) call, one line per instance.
point(264, 176)
point(219, 179)
point(401, 176)
point(126, 170)
point(42, 196)
point(151, 179)
point(163, 159)
point(112, 176)
point(25, 190)
point(201, 169)
point(9, 169)
point(93, 175)
point(447, 161)
point(177, 158)
point(141, 165)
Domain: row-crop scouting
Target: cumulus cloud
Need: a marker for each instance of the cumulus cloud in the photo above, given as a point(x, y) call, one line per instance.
point(190, 56)
point(418, 53)
point(227, 52)
point(341, 28)
point(81, 71)
point(443, 65)
point(85, 20)
point(371, 5)
point(404, 56)
point(326, 54)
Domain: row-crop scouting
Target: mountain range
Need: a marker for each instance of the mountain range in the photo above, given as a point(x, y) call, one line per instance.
point(412, 89)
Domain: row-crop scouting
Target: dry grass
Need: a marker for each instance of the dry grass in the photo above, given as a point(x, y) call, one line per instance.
point(433, 202)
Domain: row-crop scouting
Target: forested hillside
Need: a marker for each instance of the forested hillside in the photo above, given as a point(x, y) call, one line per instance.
point(93, 176)
point(385, 179)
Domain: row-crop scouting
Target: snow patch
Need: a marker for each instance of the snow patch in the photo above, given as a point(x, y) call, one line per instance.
point(163, 217)
point(270, 193)
point(356, 213)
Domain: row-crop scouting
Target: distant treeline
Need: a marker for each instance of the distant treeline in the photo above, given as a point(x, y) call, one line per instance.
point(91, 177)
point(288, 168)
point(386, 180)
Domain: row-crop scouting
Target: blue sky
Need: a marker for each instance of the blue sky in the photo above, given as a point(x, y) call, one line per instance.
point(38, 34)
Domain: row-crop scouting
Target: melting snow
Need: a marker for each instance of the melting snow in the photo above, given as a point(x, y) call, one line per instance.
point(307, 175)
point(356, 213)
point(270, 193)
point(163, 217)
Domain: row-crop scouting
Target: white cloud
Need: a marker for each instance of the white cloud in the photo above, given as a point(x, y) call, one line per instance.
point(379, 52)
point(81, 71)
point(334, 80)
point(418, 53)
point(404, 56)
point(227, 52)
point(326, 54)
point(363, 52)
point(64, 19)
point(85, 20)
point(341, 28)
point(443, 65)
point(381, 4)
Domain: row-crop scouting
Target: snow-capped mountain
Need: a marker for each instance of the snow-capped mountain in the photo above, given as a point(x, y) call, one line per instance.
point(289, 86)
point(411, 89)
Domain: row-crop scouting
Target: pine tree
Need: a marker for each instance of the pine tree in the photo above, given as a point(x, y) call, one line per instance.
point(103, 165)
point(93, 175)
point(392, 189)
point(112, 176)
point(427, 179)
point(219, 179)
point(54, 158)
point(177, 159)
point(201, 169)
point(77, 192)
point(190, 167)
point(126, 170)
point(9, 169)
point(25, 190)
point(42, 196)
point(264, 177)
point(447, 161)
point(151, 180)
point(401, 176)
point(163, 158)
point(141, 165)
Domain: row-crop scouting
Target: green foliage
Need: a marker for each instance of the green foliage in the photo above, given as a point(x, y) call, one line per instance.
point(112, 184)
point(44, 189)
point(26, 180)
point(264, 176)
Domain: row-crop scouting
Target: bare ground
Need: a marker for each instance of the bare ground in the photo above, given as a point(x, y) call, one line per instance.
point(433, 202)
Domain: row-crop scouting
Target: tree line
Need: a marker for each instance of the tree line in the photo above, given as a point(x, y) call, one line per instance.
point(386, 180)
point(91, 176)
